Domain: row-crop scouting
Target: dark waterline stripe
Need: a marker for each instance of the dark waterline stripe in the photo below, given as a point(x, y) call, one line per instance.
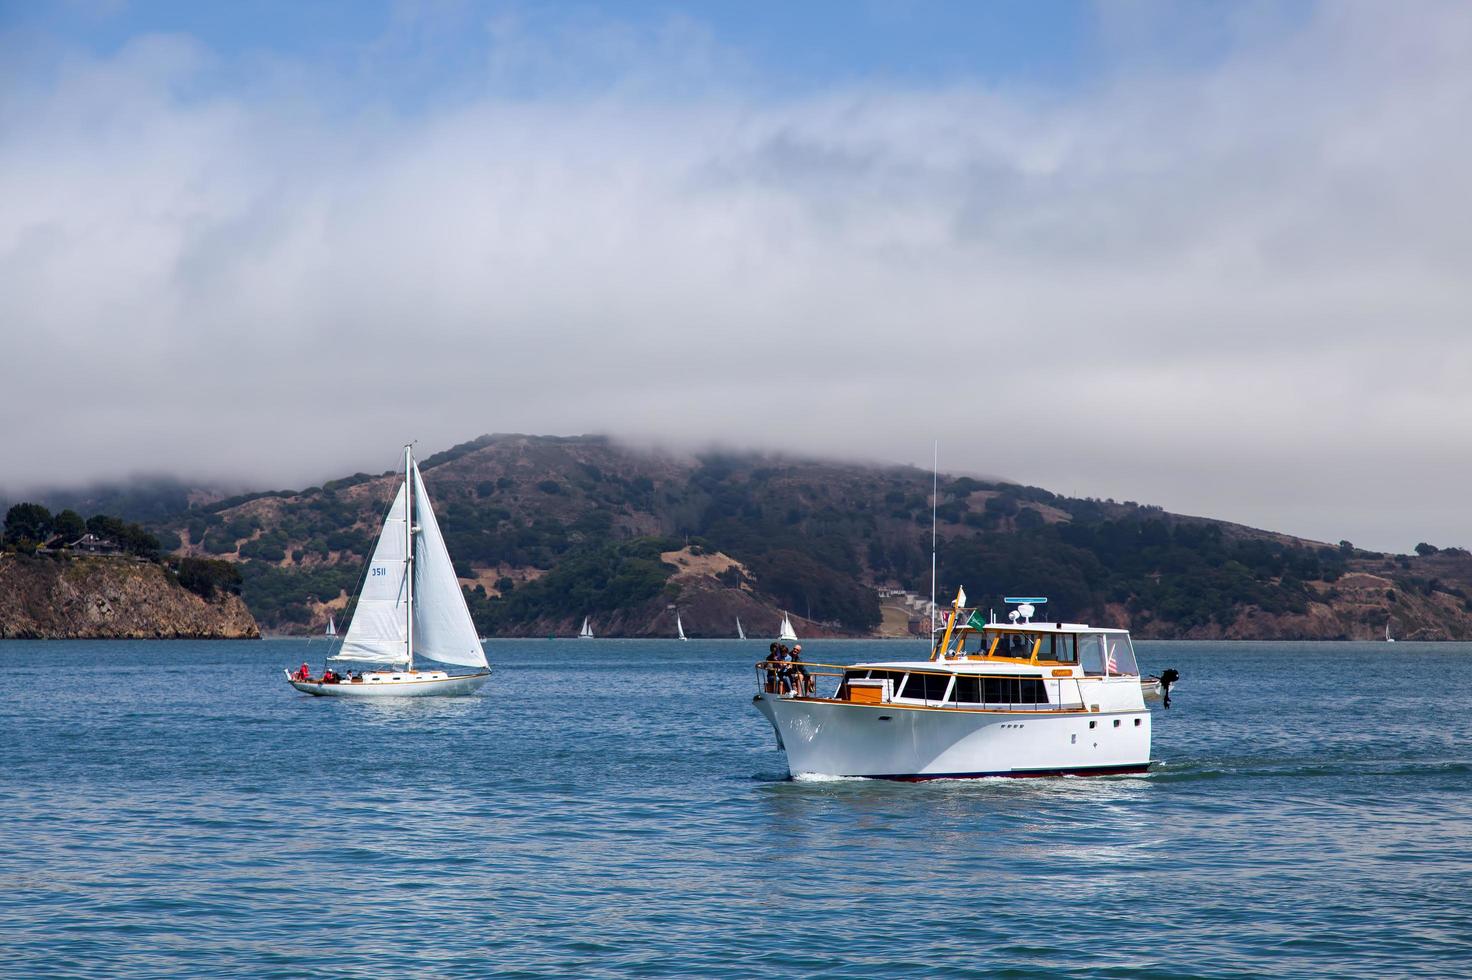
point(1019, 773)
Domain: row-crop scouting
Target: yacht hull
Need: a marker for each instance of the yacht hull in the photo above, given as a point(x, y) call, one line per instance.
point(409, 686)
point(892, 741)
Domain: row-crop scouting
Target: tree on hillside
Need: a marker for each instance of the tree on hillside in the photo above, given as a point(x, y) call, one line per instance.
point(206, 576)
point(131, 537)
point(27, 524)
point(68, 525)
point(1423, 549)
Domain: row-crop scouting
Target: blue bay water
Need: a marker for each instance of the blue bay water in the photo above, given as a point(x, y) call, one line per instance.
point(618, 808)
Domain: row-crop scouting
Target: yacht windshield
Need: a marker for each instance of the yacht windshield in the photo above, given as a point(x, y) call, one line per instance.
point(1106, 653)
point(1020, 645)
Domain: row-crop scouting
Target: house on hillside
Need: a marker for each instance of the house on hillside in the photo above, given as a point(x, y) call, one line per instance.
point(91, 544)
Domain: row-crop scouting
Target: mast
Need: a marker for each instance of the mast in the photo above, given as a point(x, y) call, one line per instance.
point(934, 493)
point(409, 551)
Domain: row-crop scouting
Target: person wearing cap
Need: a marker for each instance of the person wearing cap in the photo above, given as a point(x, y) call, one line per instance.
point(305, 673)
point(801, 682)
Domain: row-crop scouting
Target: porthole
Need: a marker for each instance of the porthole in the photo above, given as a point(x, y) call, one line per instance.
point(1116, 723)
point(1093, 724)
point(1137, 723)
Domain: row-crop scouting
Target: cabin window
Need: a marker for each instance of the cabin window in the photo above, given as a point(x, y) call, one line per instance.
point(1065, 649)
point(926, 687)
point(1014, 690)
point(967, 690)
point(999, 690)
point(1015, 645)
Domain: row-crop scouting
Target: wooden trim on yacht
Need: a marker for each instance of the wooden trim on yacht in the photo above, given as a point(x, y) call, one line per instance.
point(1080, 710)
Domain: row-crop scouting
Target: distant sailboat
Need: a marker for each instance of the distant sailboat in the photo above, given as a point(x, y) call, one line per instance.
point(740, 633)
point(680, 627)
point(331, 626)
point(587, 633)
point(1388, 637)
point(411, 602)
point(787, 632)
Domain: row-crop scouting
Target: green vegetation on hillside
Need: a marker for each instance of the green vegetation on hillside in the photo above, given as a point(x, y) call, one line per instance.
point(601, 579)
point(567, 526)
point(1187, 574)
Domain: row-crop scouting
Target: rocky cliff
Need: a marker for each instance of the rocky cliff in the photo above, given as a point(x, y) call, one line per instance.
point(49, 597)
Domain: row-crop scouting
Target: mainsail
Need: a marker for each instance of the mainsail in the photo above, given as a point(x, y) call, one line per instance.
point(331, 626)
point(377, 633)
point(787, 632)
point(740, 633)
point(443, 630)
point(680, 626)
point(587, 631)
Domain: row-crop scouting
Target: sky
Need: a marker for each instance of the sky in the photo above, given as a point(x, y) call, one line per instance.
point(1208, 256)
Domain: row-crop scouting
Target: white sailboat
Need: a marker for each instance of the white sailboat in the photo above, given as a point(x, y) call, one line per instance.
point(1388, 637)
point(587, 631)
point(740, 633)
point(787, 632)
point(680, 627)
point(331, 626)
point(410, 603)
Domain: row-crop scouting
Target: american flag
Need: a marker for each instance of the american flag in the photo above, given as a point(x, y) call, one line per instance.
point(1109, 663)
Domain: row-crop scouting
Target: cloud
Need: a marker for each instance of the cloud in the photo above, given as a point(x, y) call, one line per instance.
point(1234, 286)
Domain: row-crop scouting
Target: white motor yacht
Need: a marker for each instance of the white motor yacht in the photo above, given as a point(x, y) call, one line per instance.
point(1017, 699)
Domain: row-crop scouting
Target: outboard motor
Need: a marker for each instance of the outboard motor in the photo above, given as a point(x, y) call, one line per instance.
point(1168, 676)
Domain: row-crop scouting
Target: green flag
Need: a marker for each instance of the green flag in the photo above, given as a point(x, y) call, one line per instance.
point(976, 622)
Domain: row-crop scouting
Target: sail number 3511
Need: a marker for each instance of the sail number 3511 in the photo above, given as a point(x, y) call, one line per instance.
point(379, 570)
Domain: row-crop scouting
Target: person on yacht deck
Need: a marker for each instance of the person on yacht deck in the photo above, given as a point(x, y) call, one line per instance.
point(771, 670)
point(801, 682)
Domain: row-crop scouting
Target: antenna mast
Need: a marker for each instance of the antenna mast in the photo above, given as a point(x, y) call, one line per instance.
point(934, 493)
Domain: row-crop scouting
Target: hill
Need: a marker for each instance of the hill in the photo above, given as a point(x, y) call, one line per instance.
point(545, 530)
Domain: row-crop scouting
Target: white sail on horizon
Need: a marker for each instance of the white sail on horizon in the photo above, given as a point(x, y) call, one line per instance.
point(740, 633)
point(331, 626)
point(587, 631)
point(680, 627)
point(787, 632)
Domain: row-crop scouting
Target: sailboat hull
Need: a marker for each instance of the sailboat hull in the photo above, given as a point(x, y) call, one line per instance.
point(416, 684)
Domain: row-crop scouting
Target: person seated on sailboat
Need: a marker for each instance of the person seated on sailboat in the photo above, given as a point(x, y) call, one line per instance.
point(305, 673)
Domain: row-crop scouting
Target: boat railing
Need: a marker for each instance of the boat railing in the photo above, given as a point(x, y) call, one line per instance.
point(777, 677)
point(770, 675)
